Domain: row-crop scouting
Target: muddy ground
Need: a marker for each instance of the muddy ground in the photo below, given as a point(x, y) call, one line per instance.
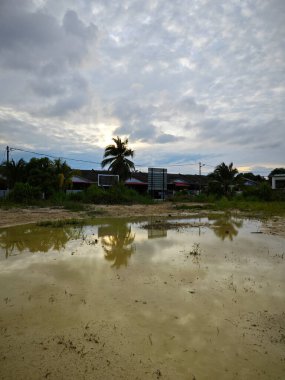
point(119, 305)
point(17, 216)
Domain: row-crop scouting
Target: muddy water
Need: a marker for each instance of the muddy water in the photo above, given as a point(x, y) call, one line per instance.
point(142, 299)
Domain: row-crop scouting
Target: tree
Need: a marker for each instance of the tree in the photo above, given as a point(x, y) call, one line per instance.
point(253, 177)
point(40, 174)
point(14, 172)
point(225, 176)
point(116, 157)
point(63, 173)
point(277, 171)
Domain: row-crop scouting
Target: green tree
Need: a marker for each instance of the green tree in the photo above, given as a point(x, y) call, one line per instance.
point(63, 174)
point(277, 171)
point(14, 172)
point(40, 173)
point(116, 156)
point(225, 176)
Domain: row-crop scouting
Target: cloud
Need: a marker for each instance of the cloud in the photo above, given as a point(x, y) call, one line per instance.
point(165, 138)
point(204, 76)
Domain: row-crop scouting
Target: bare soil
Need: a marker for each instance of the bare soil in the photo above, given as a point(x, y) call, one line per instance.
point(174, 312)
point(17, 216)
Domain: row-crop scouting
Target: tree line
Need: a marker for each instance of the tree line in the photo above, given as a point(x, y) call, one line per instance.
point(51, 176)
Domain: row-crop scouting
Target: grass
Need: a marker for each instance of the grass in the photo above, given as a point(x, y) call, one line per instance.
point(258, 208)
point(62, 223)
point(254, 208)
point(204, 206)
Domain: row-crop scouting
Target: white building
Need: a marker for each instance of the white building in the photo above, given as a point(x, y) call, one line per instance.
point(278, 181)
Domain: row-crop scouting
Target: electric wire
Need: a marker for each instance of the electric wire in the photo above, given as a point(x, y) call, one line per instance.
point(99, 163)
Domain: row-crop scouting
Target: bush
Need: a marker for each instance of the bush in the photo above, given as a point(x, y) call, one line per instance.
point(59, 197)
point(261, 192)
point(278, 195)
point(76, 197)
point(24, 193)
point(118, 194)
point(94, 194)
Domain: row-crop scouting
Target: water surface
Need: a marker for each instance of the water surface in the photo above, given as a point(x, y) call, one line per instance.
point(181, 299)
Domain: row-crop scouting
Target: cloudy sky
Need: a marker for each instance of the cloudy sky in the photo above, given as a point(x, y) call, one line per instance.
point(184, 80)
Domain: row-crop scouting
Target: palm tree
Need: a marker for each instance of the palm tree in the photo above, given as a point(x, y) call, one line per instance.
point(64, 174)
point(225, 176)
point(116, 157)
point(14, 172)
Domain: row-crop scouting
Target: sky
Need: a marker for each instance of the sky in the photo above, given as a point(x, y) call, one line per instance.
point(186, 81)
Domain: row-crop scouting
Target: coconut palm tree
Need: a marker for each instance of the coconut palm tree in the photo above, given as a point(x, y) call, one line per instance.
point(116, 157)
point(14, 172)
point(225, 175)
point(64, 174)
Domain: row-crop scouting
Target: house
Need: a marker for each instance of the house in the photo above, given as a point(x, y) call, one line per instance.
point(139, 181)
point(278, 181)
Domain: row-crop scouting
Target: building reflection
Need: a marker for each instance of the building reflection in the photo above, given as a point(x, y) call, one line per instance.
point(117, 241)
point(15, 240)
point(226, 227)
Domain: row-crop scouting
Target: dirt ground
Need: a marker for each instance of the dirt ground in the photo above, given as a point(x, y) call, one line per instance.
point(17, 216)
point(119, 302)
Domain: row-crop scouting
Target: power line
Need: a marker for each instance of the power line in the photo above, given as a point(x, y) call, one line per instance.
point(99, 163)
point(86, 161)
point(51, 156)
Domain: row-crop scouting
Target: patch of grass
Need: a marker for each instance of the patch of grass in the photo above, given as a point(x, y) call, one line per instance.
point(93, 213)
point(194, 206)
point(260, 208)
point(196, 250)
point(74, 206)
point(62, 223)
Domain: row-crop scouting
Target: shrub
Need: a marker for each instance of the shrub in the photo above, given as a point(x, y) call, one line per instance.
point(76, 197)
point(94, 194)
point(261, 192)
point(118, 194)
point(24, 193)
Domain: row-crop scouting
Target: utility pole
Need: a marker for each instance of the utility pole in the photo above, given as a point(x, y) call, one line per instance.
point(200, 173)
point(7, 153)
point(200, 167)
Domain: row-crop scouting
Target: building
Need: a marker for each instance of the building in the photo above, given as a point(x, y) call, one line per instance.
point(278, 181)
point(139, 181)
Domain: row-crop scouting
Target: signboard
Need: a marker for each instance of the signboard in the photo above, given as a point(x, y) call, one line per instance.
point(157, 182)
point(107, 180)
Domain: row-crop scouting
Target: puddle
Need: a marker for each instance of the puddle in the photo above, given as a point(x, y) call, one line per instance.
point(192, 298)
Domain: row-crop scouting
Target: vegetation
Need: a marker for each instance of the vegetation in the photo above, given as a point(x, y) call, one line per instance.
point(61, 223)
point(117, 194)
point(42, 182)
point(37, 178)
point(116, 156)
point(277, 171)
point(224, 178)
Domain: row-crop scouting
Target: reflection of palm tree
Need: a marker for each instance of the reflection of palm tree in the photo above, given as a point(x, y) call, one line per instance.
point(36, 238)
point(118, 245)
point(226, 227)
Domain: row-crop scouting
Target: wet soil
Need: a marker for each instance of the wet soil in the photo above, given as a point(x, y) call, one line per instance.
point(113, 300)
point(12, 217)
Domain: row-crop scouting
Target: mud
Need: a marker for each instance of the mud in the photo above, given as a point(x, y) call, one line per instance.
point(112, 300)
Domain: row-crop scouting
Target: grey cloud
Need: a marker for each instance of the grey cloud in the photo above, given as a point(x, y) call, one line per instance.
point(216, 65)
point(73, 25)
point(242, 132)
point(189, 105)
point(65, 105)
point(47, 88)
point(32, 40)
point(165, 138)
